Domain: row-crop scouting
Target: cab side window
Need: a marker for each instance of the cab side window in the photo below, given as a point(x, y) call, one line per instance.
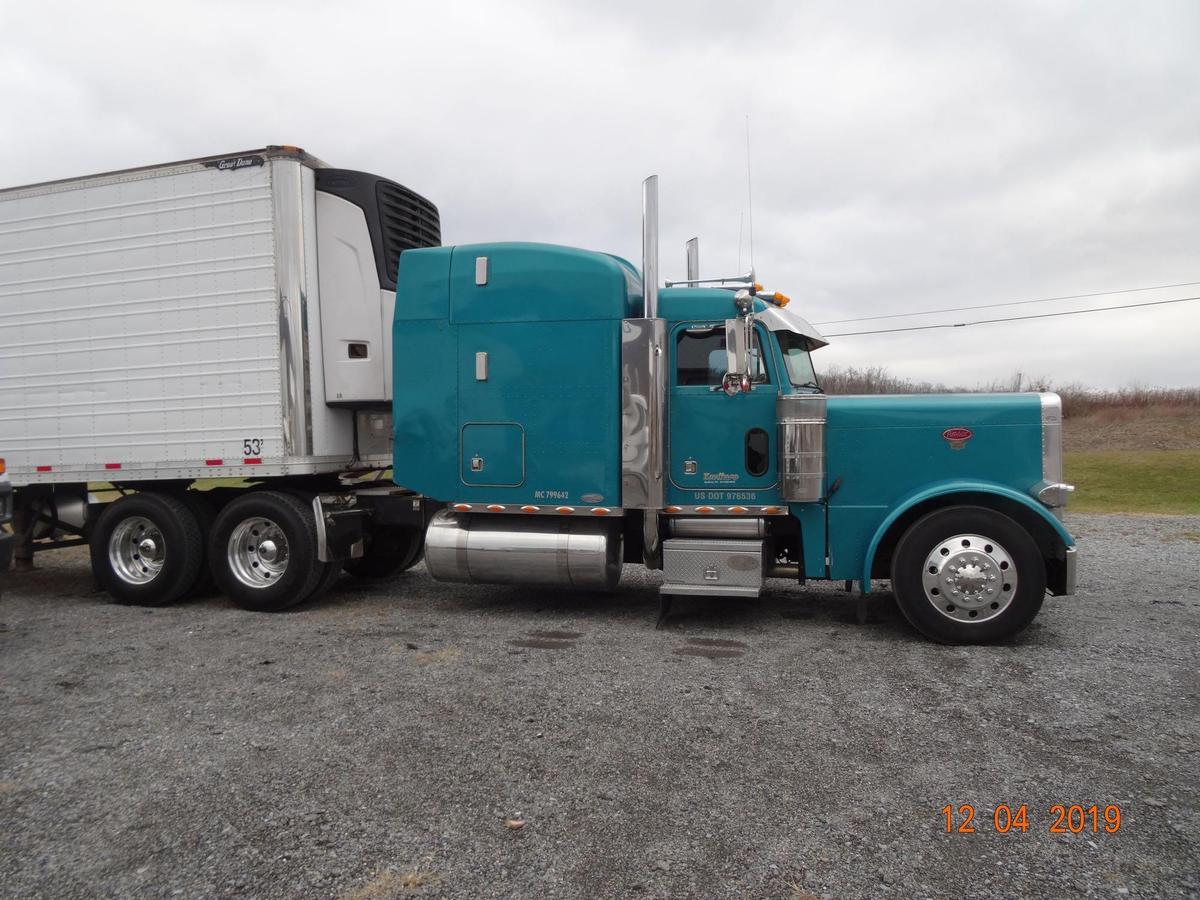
point(700, 357)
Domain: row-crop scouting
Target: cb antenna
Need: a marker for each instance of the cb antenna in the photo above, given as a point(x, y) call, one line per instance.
point(741, 226)
point(749, 194)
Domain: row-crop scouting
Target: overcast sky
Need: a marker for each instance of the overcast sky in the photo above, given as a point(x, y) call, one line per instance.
point(905, 156)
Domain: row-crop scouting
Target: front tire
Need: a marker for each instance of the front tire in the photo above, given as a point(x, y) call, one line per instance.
point(146, 549)
point(263, 551)
point(968, 575)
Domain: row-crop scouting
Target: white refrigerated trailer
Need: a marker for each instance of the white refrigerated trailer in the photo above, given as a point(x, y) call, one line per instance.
point(223, 320)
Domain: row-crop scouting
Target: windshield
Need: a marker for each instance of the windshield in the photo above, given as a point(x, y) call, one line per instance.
point(799, 364)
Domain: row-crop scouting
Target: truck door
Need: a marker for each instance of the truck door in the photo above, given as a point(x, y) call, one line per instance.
point(721, 448)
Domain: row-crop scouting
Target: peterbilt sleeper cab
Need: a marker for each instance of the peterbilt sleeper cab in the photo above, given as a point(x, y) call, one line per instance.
point(571, 414)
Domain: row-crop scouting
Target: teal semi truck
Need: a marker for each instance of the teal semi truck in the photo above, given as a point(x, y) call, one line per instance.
point(242, 346)
point(573, 415)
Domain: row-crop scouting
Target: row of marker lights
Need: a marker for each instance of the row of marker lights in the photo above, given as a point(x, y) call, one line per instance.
point(561, 510)
point(249, 461)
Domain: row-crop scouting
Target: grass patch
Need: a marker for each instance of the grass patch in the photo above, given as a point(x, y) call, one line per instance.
point(1135, 481)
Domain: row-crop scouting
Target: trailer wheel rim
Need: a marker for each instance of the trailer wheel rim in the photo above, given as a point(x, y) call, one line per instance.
point(970, 578)
point(136, 550)
point(257, 552)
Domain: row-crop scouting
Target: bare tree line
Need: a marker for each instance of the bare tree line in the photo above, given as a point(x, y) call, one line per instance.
point(1078, 400)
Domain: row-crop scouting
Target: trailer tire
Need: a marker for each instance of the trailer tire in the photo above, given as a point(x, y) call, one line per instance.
point(388, 551)
point(146, 549)
point(206, 515)
point(263, 551)
point(968, 575)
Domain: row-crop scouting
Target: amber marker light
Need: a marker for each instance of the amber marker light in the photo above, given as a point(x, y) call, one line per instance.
point(673, 509)
point(704, 509)
point(564, 510)
point(738, 509)
point(529, 509)
point(463, 507)
point(601, 511)
point(495, 507)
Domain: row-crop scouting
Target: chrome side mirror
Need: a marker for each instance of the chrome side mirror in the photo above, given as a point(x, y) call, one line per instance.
point(737, 356)
point(735, 383)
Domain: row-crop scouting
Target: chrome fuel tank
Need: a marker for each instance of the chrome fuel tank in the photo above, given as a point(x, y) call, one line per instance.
point(498, 549)
point(801, 420)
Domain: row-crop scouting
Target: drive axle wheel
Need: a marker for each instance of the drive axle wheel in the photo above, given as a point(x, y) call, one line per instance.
point(146, 549)
point(968, 575)
point(263, 551)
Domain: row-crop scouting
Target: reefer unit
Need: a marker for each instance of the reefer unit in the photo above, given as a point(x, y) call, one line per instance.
point(209, 318)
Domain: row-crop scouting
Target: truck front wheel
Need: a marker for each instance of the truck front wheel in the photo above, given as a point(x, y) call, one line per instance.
point(263, 551)
point(968, 575)
point(146, 549)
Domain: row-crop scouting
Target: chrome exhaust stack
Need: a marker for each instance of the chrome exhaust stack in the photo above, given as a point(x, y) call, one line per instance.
point(650, 245)
point(644, 392)
point(693, 259)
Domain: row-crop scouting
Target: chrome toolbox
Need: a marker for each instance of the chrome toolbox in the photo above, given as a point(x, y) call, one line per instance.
point(711, 566)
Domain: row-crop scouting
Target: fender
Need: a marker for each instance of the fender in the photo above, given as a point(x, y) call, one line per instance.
point(946, 488)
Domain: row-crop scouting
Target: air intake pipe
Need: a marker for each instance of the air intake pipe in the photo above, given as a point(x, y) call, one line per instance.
point(801, 420)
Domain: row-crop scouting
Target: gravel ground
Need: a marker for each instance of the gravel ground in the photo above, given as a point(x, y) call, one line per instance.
point(388, 740)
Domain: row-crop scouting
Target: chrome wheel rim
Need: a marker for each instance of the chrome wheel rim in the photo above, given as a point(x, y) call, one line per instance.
point(970, 578)
point(257, 552)
point(136, 550)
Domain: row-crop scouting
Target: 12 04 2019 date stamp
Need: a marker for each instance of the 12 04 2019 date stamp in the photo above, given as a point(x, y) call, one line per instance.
point(1060, 818)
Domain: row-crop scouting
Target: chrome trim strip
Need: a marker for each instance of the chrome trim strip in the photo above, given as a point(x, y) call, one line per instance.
point(704, 510)
point(288, 225)
point(1072, 571)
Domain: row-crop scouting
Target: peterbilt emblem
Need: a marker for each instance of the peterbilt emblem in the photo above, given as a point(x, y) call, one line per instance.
point(957, 437)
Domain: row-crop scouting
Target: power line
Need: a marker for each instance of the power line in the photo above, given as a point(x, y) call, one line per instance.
point(930, 312)
point(1071, 312)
